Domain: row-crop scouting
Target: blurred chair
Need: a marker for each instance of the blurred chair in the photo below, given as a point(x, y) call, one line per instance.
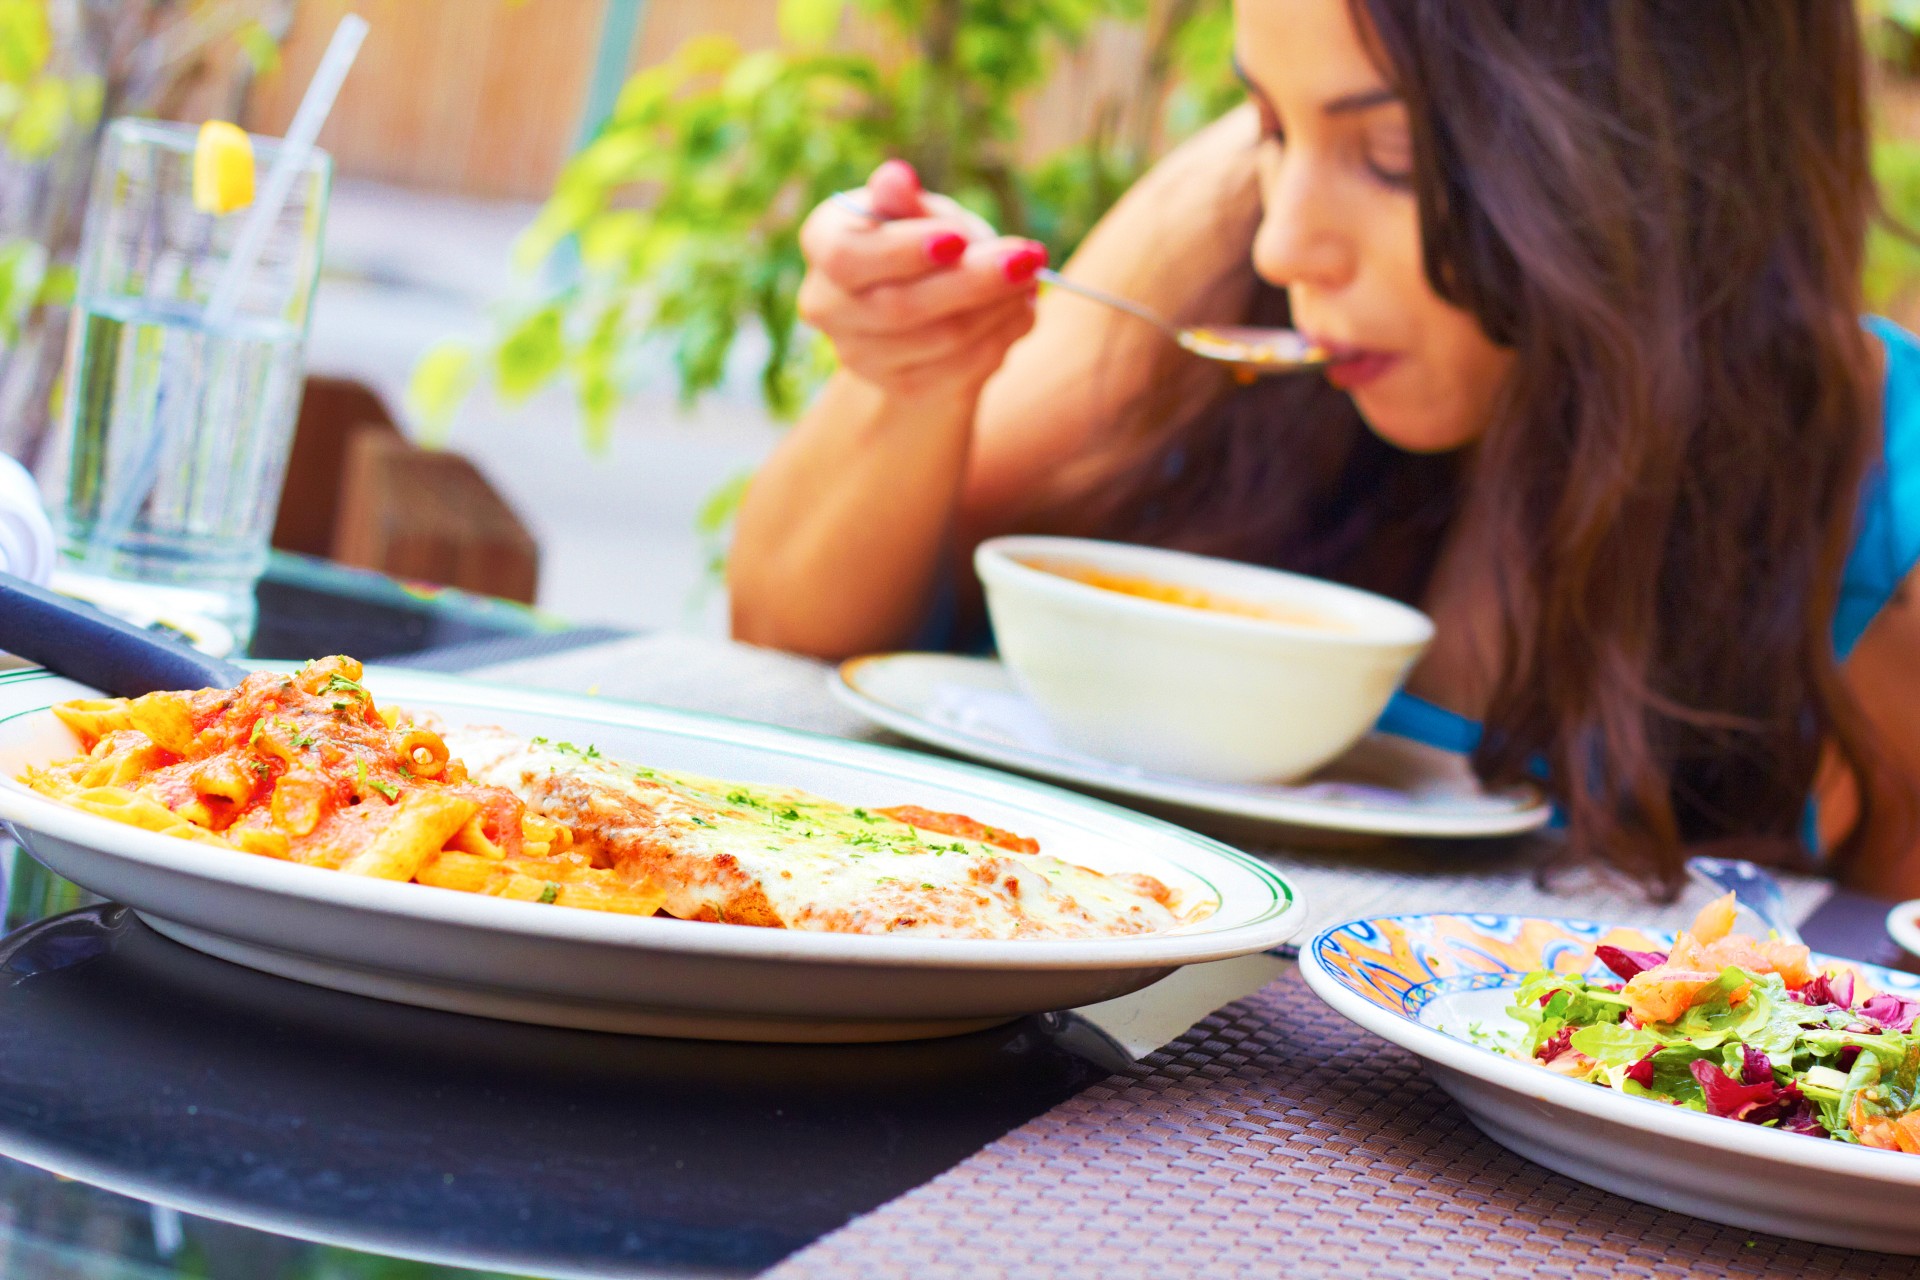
point(360, 492)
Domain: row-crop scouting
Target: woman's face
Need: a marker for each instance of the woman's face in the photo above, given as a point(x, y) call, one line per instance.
point(1341, 232)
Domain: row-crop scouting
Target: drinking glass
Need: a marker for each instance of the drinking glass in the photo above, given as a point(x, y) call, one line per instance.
point(175, 428)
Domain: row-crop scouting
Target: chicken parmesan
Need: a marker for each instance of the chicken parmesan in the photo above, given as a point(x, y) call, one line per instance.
point(783, 858)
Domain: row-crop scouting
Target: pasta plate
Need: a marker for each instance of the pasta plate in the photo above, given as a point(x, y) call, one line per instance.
point(650, 975)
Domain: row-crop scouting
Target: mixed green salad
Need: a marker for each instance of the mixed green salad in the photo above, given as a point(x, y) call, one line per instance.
point(1739, 1027)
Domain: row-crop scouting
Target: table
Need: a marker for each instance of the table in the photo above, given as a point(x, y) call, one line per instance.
point(212, 1114)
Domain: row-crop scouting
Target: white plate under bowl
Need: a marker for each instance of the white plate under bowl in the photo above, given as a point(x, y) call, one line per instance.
point(1903, 922)
point(655, 976)
point(1385, 785)
point(1428, 982)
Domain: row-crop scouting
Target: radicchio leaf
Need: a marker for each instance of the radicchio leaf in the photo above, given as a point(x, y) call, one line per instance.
point(1760, 1102)
point(1628, 963)
point(1826, 988)
point(1641, 1072)
point(1895, 1013)
point(1562, 1041)
point(1725, 1096)
point(1802, 1118)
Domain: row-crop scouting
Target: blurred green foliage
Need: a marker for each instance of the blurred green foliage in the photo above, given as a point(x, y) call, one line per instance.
point(39, 109)
point(1893, 255)
point(678, 223)
point(37, 106)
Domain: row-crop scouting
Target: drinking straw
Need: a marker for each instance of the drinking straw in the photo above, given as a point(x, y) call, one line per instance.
point(224, 301)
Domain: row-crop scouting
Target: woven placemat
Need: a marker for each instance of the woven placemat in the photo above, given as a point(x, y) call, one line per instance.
point(1276, 1138)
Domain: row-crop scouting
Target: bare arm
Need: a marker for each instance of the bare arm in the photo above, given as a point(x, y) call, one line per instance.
point(906, 458)
point(1884, 674)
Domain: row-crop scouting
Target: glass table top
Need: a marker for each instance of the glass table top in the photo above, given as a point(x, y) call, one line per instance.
point(258, 1109)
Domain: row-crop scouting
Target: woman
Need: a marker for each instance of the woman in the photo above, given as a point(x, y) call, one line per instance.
point(1604, 405)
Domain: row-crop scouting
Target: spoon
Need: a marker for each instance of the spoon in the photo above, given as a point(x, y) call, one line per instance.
point(1253, 349)
point(1751, 886)
point(78, 641)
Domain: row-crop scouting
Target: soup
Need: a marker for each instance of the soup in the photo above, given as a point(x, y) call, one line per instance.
point(1186, 597)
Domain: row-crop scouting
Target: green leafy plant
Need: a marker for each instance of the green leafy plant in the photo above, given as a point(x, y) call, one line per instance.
point(39, 110)
point(678, 223)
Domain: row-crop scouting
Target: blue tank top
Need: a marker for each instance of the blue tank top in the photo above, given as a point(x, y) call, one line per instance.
point(1886, 543)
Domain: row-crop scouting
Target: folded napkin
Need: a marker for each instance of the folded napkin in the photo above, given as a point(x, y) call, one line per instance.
point(26, 539)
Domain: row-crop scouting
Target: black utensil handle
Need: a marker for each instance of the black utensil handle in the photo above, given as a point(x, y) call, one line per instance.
point(80, 642)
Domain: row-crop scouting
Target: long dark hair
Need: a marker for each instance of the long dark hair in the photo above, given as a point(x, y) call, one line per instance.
point(1661, 208)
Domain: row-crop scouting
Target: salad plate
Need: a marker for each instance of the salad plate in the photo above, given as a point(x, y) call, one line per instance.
point(651, 975)
point(1441, 986)
point(1384, 785)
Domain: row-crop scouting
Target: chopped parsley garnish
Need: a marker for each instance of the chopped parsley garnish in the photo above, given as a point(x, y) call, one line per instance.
point(260, 767)
point(644, 774)
point(742, 798)
point(588, 752)
point(551, 892)
point(342, 706)
point(864, 816)
point(788, 814)
point(925, 885)
point(340, 684)
point(386, 789)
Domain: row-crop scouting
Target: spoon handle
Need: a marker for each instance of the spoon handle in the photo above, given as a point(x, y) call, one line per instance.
point(80, 642)
point(1751, 886)
point(1101, 296)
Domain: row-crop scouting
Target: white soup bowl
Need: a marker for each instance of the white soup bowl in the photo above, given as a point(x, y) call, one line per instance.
point(1199, 693)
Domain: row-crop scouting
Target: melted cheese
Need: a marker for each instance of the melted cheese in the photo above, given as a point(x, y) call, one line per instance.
point(785, 858)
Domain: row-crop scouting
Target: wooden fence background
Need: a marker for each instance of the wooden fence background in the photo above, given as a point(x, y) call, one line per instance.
point(485, 96)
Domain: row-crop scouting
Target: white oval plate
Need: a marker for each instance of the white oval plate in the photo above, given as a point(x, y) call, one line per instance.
point(1425, 982)
point(1385, 785)
point(655, 976)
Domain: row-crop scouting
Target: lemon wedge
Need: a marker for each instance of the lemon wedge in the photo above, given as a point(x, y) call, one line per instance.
point(222, 168)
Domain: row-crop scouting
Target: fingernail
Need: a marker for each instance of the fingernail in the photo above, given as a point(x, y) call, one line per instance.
point(1020, 264)
point(902, 171)
point(945, 248)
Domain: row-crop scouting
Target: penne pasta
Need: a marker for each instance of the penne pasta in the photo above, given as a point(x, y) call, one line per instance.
point(305, 768)
point(419, 827)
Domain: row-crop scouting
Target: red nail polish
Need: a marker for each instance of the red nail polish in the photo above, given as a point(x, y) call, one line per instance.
point(1019, 265)
point(901, 170)
point(945, 248)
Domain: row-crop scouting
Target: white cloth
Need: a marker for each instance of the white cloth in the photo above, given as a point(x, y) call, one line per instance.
point(26, 539)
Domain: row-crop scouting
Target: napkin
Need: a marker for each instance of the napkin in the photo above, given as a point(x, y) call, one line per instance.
point(26, 539)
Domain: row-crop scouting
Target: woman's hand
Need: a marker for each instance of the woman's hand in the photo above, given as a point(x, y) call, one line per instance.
point(922, 299)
